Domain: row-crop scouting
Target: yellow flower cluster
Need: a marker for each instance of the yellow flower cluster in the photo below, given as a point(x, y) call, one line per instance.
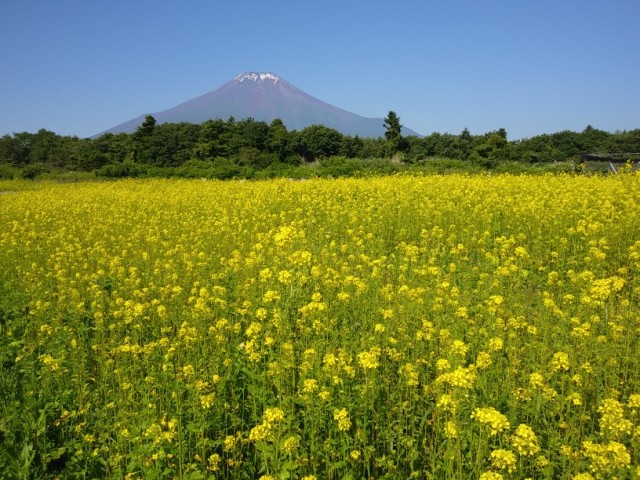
point(560, 362)
point(492, 418)
point(163, 431)
point(583, 476)
point(290, 445)
point(370, 360)
point(214, 462)
point(503, 460)
point(461, 377)
point(634, 401)
point(525, 441)
point(447, 403)
point(270, 419)
point(342, 417)
point(458, 348)
point(337, 365)
point(606, 458)
point(612, 421)
point(483, 360)
point(451, 429)
point(410, 373)
point(490, 476)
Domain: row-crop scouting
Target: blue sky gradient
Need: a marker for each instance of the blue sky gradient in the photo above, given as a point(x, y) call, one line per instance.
point(79, 67)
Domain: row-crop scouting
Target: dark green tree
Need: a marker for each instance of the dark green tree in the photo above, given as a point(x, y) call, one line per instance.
point(465, 141)
point(15, 149)
point(213, 140)
point(351, 146)
point(142, 148)
point(373, 147)
point(494, 149)
point(146, 128)
point(253, 133)
point(318, 141)
point(393, 134)
point(278, 141)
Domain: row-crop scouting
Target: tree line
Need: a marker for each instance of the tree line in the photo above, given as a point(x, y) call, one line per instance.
point(231, 145)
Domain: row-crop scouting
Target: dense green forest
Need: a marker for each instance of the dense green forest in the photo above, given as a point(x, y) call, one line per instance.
point(250, 149)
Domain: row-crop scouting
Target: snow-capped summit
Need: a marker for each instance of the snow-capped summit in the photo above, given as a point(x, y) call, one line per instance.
point(256, 76)
point(264, 96)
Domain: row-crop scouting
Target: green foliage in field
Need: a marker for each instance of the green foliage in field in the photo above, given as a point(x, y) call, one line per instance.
point(246, 148)
point(443, 327)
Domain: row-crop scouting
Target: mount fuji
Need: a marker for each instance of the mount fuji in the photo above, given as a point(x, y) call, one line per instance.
point(264, 97)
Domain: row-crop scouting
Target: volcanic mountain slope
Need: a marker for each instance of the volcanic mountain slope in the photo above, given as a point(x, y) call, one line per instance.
point(264, 97)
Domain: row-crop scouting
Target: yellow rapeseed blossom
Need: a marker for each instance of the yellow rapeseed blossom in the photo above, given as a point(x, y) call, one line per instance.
point(214, 462)
point(495, 344)
point(206, 401)
point(560, 362)
point(612, 421)
point(536, 380)
point(451, 430)
point(606, 458)
point(461, 377)
point(290, 445)
point(230, 443)
point(634, 401)
point(583, 476)
point(446, 403)
point(272, 415)
point(458, 348)
point(490, 476)
point(542, 461)
point(525, 441)
point(409, 372)
point(442, 365)
point(270, 418)
point(310, 385)
point(483, 360)
point(369, 360)
point(503, 460)
point(342, 417)
point(49, 362)
point(492, 418)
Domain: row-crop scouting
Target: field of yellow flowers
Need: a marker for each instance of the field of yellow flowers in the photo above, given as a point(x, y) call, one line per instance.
point(444, 327)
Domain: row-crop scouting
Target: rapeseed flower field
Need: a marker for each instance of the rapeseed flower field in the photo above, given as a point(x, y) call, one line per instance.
point(444, 327)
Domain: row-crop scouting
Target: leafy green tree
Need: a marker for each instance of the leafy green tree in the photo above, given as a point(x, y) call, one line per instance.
point(142, 151)
point(213, 140)
point(570, 143)
point(318, 141)
point(253, 133)
point(595, 141)
point(15, 149)
point(373, 148)
point(351, 146)
point(465, 144)
point(392, 126)
point(172, 143)
point(278, 140)
point(45, 147)
point(146, 128)
point(393, 133)
point(493, 150)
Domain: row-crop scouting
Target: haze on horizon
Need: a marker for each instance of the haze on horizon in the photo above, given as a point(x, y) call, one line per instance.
point(529, 67)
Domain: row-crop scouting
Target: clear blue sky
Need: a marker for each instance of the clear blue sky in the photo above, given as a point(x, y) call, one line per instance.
point(78, 67)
